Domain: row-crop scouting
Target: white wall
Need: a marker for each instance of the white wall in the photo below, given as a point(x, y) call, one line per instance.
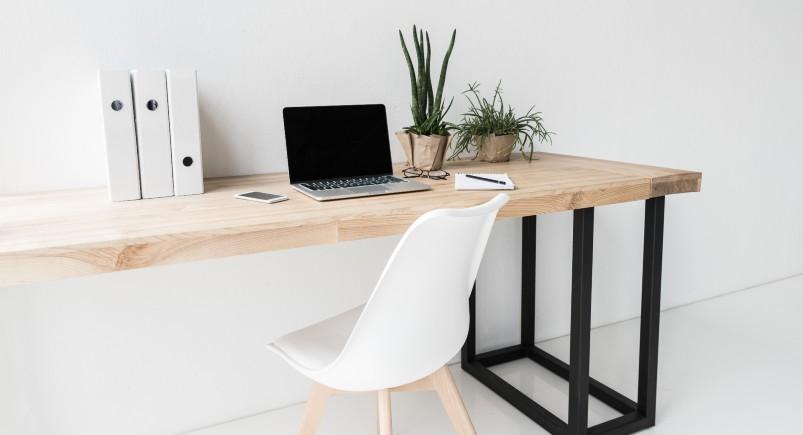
point(712, 85)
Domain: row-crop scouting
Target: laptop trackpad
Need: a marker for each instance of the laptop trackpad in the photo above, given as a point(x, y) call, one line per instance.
point(362, 190)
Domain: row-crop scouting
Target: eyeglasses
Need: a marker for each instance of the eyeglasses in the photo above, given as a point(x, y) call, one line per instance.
point(423, 173)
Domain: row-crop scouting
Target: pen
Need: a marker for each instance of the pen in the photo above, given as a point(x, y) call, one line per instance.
point(485, 179)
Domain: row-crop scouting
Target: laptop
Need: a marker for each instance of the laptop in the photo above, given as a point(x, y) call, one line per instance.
point(337, 152)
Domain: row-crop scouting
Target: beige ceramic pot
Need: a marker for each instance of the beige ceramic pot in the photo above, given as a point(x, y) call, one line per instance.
point(424, 152)
point(495, 148)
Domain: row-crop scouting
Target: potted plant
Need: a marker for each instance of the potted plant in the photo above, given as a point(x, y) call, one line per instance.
point(425, 141)
point(493, 130)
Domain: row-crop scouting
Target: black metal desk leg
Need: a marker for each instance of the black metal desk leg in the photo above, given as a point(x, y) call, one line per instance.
point(579, 341)
point(650, 307)
point(635, 415)
point(528, 225)
point(469, 350)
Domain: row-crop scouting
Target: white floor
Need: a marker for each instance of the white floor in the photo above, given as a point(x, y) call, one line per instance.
point(732, 364)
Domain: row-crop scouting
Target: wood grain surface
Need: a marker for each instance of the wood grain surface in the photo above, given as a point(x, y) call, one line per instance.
point(52, 235)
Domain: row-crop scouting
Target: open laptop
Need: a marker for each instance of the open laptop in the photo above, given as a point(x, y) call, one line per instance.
point(336, 152)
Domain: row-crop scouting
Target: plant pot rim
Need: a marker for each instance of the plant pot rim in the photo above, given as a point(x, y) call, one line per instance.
point(494, 135)
point(423, 135)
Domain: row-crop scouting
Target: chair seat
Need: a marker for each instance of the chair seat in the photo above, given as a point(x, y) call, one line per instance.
point(316, 346)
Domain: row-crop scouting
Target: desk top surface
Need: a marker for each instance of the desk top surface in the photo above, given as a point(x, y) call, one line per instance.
point(61, 234)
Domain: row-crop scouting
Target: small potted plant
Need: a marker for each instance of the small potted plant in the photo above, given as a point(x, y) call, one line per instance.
point(493, 130)
point(425, 141)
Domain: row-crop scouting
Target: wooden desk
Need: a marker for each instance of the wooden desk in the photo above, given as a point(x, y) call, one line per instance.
point(52, 235)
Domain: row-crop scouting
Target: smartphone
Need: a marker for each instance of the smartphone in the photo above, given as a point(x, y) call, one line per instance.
point(267, 198)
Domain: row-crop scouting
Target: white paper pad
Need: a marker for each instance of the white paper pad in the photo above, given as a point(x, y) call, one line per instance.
point(461, 182)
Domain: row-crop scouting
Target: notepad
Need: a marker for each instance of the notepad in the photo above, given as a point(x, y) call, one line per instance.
point(461, 182)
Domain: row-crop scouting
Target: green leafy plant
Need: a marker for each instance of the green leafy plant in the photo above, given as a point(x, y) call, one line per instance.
point(427, 107)
point(485, 118)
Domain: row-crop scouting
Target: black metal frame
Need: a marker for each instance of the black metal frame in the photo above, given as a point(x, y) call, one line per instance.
point(635, 415)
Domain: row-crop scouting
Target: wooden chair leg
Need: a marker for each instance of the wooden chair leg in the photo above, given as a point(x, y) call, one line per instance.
point(441, 381)
point(384, 413)
point(313, 411)
point(450, 397)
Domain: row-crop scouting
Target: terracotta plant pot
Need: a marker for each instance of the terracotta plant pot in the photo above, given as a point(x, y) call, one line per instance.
point(424, 152)
point(495, 148)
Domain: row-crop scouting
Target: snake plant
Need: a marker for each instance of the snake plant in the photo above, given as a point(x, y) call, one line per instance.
point(427, 106)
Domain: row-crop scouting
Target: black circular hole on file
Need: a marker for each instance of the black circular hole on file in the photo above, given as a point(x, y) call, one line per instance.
point(117, 105)
point(152, 105)
point(187, 161)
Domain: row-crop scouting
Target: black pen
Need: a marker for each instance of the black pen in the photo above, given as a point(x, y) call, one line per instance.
point(486, 179)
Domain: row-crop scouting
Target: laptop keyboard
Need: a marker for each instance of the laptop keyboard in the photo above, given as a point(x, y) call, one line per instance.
point(341, 183)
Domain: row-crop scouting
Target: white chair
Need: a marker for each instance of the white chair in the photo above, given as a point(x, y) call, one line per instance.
point(414, 322)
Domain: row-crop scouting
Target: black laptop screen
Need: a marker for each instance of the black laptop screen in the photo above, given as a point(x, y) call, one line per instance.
point(336, 141)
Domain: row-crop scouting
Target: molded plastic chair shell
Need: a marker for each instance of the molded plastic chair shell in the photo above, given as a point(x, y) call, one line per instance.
point(417, 316)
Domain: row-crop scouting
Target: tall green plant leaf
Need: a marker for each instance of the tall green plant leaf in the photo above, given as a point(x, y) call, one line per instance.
point(426, 106)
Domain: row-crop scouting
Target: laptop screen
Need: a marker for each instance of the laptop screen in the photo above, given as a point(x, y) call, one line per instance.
point(336, 141)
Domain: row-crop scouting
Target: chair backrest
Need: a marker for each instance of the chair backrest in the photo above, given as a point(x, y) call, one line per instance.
point(417, 317)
